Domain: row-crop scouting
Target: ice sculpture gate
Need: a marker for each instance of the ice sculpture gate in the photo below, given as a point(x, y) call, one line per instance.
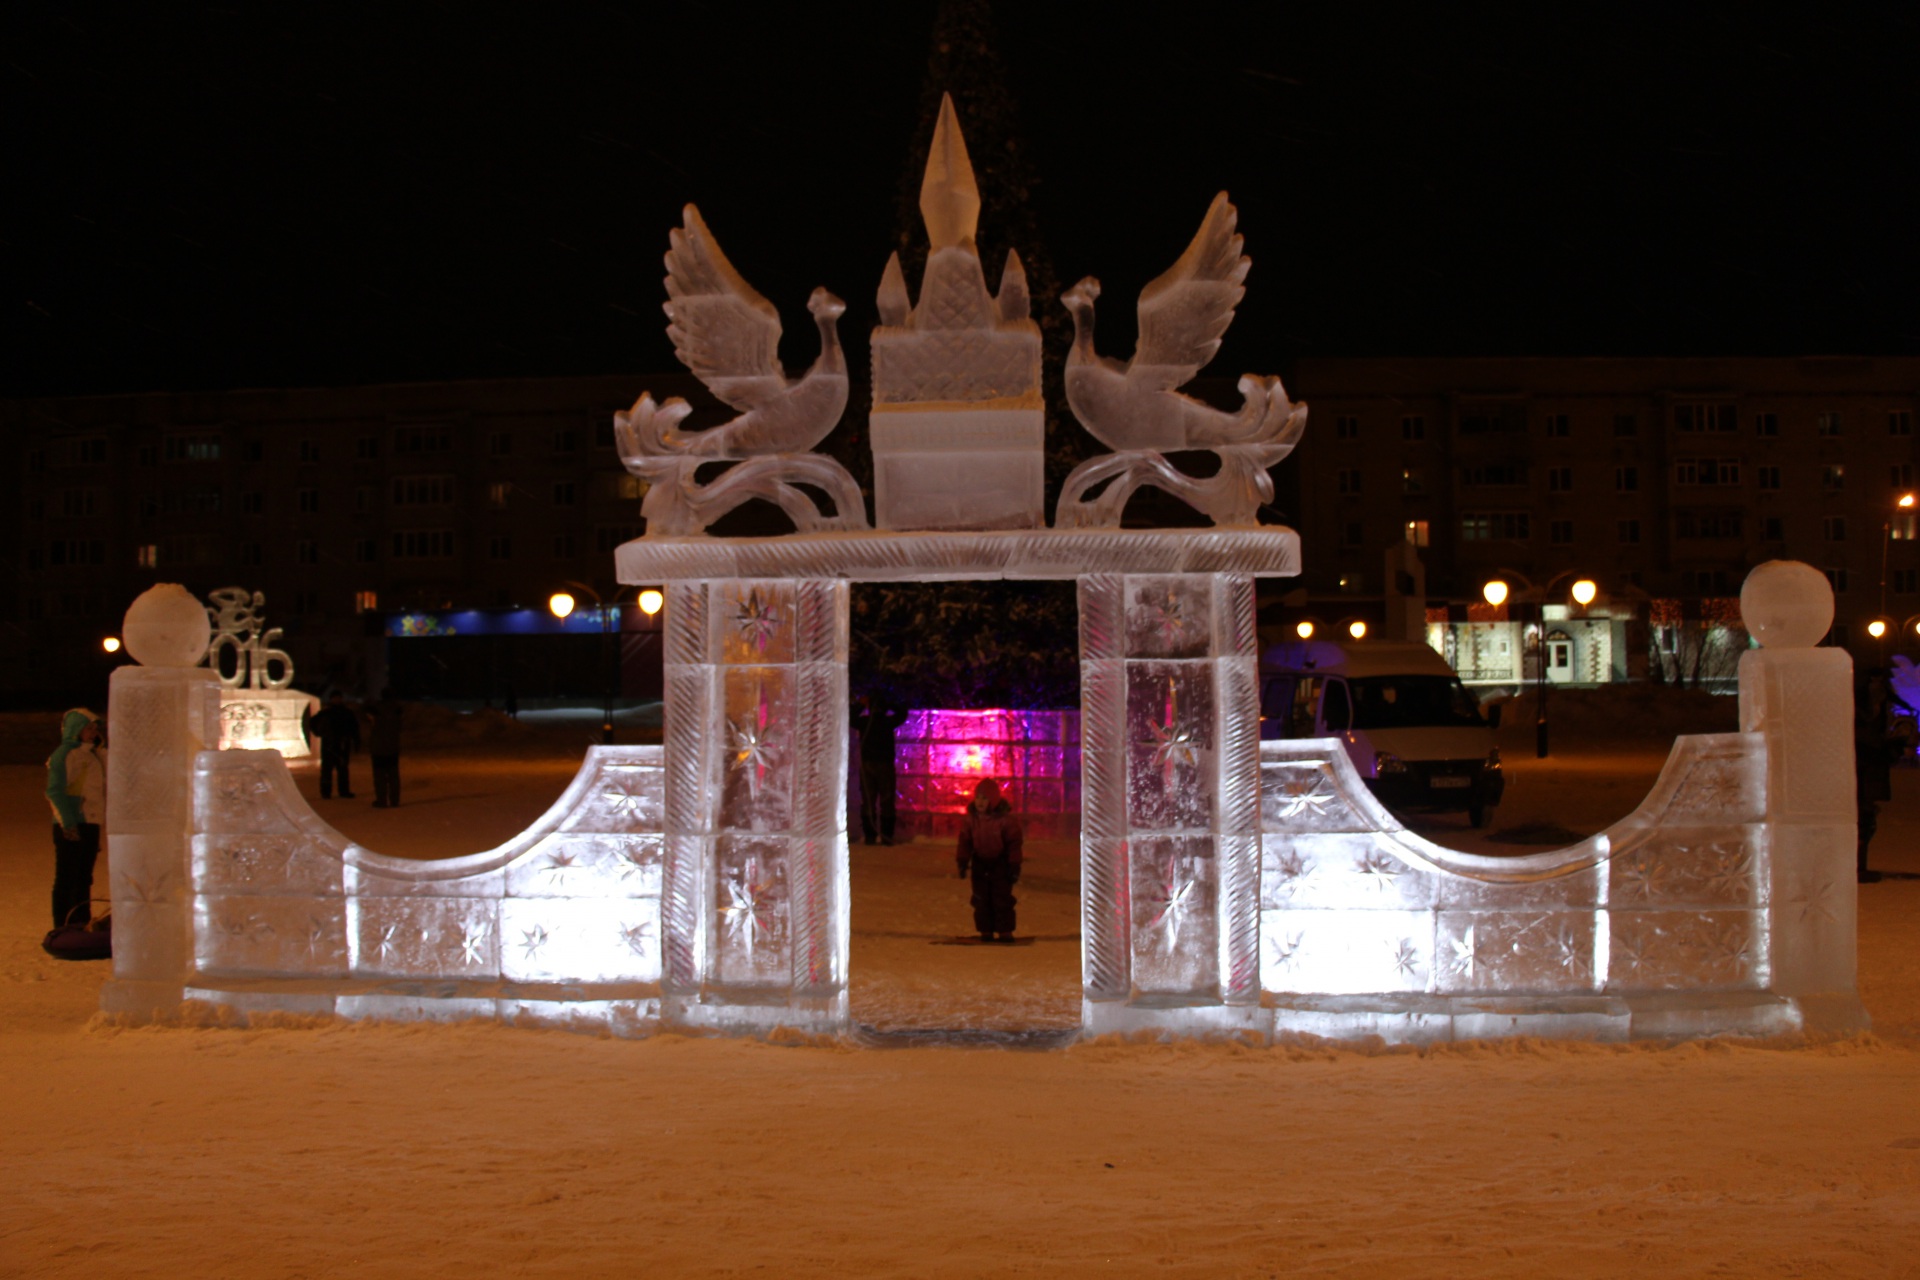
point(1227, 887)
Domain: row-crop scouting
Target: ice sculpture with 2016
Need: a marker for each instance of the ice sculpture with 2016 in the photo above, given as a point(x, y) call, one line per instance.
point(1229, 886)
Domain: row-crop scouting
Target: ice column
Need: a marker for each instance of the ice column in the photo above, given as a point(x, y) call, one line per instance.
point(755, 894)
point(1170, 841)
point(1801, 698)
point(158, 717)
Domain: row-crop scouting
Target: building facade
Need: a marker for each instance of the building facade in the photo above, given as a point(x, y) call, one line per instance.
point(1663, 480)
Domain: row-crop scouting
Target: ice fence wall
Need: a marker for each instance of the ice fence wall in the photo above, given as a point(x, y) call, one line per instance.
point(1229, 885)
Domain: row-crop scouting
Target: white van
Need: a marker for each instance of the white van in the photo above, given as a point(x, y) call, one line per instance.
point(1410, 727)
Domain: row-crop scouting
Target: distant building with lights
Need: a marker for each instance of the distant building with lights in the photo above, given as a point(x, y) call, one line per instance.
point(444, 515)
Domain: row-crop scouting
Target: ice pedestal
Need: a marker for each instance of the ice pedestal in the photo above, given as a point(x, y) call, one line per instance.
point(161, 717)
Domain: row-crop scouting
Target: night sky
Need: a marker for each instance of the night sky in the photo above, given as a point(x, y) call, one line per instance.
point(278, 194)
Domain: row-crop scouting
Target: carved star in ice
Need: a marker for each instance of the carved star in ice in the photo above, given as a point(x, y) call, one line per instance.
point(1463, 953)
point(319, 928)
point(1289, 867)
point(232, 926)
point(1728, 948)
point(1406, 960)
point(756, 620)
point(1644, 876)
point(473, 940)
point(533, 940)
point(1569, 952)
point(1169, 615)
point(1819, 904)
point(389, 940)
point(1284, 947)
point(1379, 870)
point(626, 797)
point(634, 861)
point(1174, 744)
point(638, 937)
point(560, 863)
point(1304, 794)
point(1728, 877)
point(749, 912)
point(150, 890)
point(1629, 953)
point(1174, 896)
point(752, 746)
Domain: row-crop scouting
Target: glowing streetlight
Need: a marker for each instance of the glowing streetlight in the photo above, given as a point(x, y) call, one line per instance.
point(1495, 592)
point(651, 601)
point(1304, 630)
point(1357, 629)
point(1584, 592)
point(1906, 501)
point(1877, 628)
point(560, 604)
point(111, 644)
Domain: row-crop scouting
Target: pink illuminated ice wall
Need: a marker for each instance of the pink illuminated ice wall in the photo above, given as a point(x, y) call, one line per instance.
point(1034, 756)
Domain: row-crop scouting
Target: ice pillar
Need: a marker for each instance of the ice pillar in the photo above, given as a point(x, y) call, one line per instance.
point(1800, 699)
point(158, 719)
point(1170, 841)
point(754, 909)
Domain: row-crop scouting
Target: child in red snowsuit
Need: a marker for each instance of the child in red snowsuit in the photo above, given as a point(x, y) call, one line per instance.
point(990, 848)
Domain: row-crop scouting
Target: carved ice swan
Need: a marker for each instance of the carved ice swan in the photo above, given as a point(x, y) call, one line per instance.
point(729, 336)
point(1136, 408)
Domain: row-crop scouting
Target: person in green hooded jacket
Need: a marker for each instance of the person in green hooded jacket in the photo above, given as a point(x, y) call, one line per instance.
point(77, 790)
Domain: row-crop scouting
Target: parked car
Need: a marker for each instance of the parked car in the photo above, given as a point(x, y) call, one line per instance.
point(1410, 727)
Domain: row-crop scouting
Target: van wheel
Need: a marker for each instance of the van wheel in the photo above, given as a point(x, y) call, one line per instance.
point(1477, 815)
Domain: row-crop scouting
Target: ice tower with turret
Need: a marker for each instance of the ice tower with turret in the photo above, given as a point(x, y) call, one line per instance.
point(958, 428)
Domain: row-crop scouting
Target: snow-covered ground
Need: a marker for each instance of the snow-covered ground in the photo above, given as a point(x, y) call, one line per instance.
point(320, 1150)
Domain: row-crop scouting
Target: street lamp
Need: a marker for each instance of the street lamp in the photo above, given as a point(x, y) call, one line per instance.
point(1357, 629)
point(111, 644)
point(1304, 630)
point(1904, 504)
point(1497, 592)
point(561, 605)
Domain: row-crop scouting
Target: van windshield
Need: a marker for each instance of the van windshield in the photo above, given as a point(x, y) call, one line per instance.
point(1409, 702)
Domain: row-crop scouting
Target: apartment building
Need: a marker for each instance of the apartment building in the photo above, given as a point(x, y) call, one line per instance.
point(1660, 479)
point(1663, 480)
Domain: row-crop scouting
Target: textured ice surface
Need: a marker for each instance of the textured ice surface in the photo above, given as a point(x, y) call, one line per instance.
point(958, 428)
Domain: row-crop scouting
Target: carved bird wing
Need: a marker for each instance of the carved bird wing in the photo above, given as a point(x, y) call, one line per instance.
point(1184, 311)
point(721, 328)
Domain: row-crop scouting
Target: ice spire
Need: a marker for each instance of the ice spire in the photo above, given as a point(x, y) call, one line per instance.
point(894, 306)
point(1013, 300)
point(949, 200)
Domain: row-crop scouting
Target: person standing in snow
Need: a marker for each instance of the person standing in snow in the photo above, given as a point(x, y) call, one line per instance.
point(339, 732)
point(383, 747)
point(990, 840)
point(77, 790)
point(877, 725)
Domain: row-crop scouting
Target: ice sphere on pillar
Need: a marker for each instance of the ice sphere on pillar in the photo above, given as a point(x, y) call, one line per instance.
point(958, 427)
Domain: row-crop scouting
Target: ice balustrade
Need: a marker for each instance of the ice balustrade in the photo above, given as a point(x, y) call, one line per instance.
point(1228, 887)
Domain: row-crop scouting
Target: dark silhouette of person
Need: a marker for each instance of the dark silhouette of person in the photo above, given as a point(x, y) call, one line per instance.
point(1876, 745)
point(877, 725)
point(990, 840)
point(383, 747)
point(77, 790)
point(338, 729)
